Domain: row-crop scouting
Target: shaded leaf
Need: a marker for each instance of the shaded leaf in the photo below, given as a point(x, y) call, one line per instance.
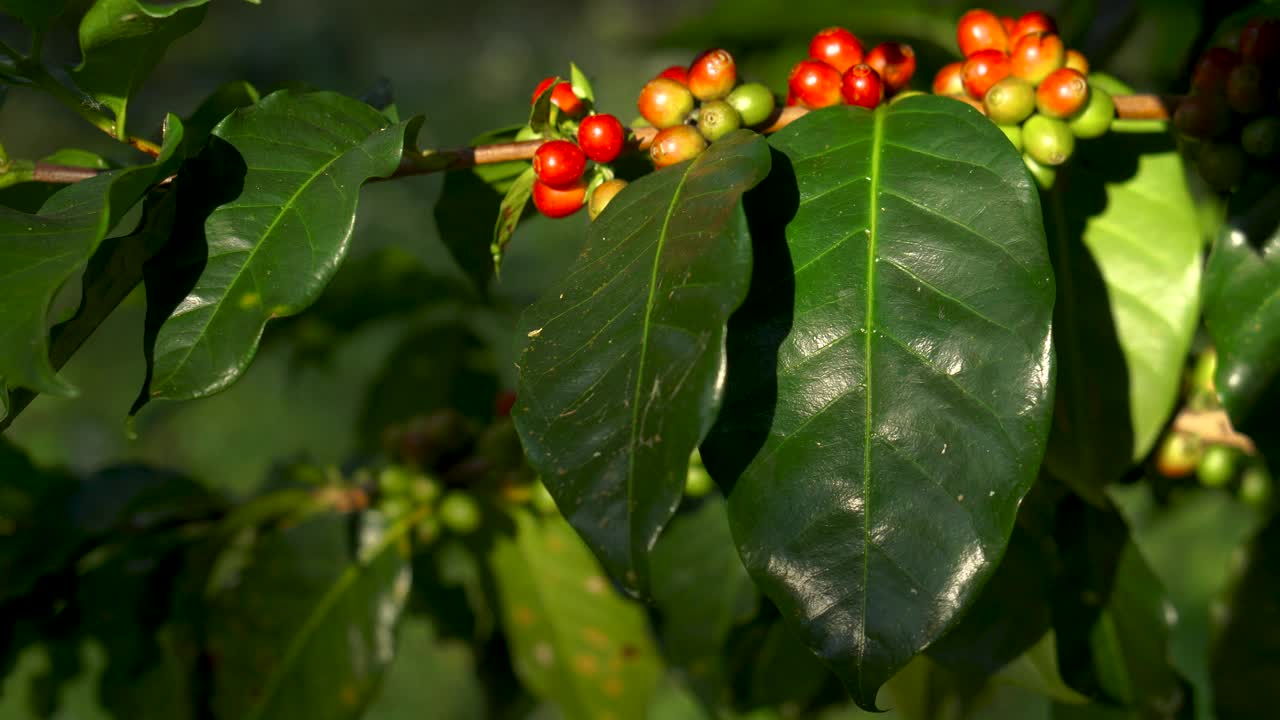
point(35, 14)
point(574, 639)
point(1126, 248)
point(1246, 654)
point(888, 379)
point(228, 98)
point(288, 170)
point(429, 677)
point(304, 625)
point(623, 371)
point(122, 41)
point(39, 253)
point(510, 210)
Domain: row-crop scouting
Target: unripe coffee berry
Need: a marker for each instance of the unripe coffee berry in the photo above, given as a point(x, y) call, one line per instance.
point(1212, 70)
point(562, 96)
point(1095, 120)
point(717, 119)
point(559, 163)
point(982, 70)
point(601, 137)
point(1261, 138)
point(559, 202)
point(947, 81)
point(814, 84)
point(1244, 89)
point(1035, 55)
point(861, 86)
point(679, 73)
point(1078, 62)
point(1044, 175)
point(981, 30)
point(1217, 466)
point(1202, 116)
point(836, 47)
point(1222, 165)
point(1178, 454)
point(1014, 133)
point(665, 102)
point(712, 75)
point(603, 195)
point(1034, 21)
point(676, 144)
point(1062, 94)
point(1010, 101)
point(754, 102)
point(1255, 485)
point(460, 512)
point(895, 63)
point(1047, 140)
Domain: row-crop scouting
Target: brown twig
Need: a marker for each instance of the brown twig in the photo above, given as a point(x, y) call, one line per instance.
point(1213, 427)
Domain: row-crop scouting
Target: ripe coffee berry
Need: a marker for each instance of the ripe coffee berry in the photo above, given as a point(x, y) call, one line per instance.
point(665, 102)
point(1245, 89)
point(717, 119)
point(895, 63)
point(559, 202)
point(1034, 21)
point(1202, 116)
point(861, 86)
point(1095, 120)
point(1261, 138)
point(837, 47)
point(1010, 101)
point(679, 73)
point(947, 81)
point(981, 30)
point(562, 96)
point(814, 84)
point(1260, 41)
point(982, 70)
point(1009, 26)
point(1213, 69)
point(754, 102)
point(1048, 141)
point(559, 163)
point(1035, 55)
point(603, 195)
point(1078, 62)
point(1062, 94)
point(601, 137)
point(712, 75)
point(676, 144)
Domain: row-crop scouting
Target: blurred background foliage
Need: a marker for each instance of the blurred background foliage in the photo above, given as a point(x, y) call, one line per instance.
point(401, 314)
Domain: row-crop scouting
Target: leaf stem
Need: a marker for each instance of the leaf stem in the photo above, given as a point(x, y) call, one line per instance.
point(81, 105)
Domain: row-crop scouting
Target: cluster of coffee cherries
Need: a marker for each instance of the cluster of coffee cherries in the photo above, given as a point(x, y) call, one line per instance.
point(1034, 88)
point(838, 70)
point(699, 104)
point(1216, 464)
point(561, 187)
point(1231, 118)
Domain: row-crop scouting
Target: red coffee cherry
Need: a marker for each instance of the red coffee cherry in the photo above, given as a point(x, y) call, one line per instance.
point(982, 70)
point(1212, 70)
point(679, 73)
point(861, 85)
point(948, 81)
point(1062, 94)
point(814, 84)
point(1245, 93)
point(1034, 21)
point(895, 63)
point(665, 102)
point(1260, 41)
point(981, 30)
point(1078, 62)
point(559, 163)
point(559, 202)
point(601, 137)
point(1202, 116)
point(836, 47)
point(1035, 55)
point(676, 144)
point(712, 75)
point(562, 96)
point(1009, 26)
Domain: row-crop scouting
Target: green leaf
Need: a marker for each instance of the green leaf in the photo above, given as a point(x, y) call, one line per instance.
point(702, 591)
point(1242, 307)
point(574, 639)
point(29, 197)
point(122, 41)
point(228, 98)
point(889, 378)
point(39, 253)
point(35, 14)
point(510, 210)
point(623, 372)
point(304, 625)
point(429, 672)
point(581, 85)
point(291, 168)
point(1126, 249)
point(1246, 655)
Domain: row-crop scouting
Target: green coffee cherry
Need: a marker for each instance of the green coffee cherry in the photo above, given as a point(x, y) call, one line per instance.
point(1095, 120)
point(717, 119)
point(1043, 174)
point(1261, 138)
point(1047, 141)
point(1222, 165)
point(460, 513)
point(395, 480)
point(427, 530)
point(395, 507)
point(1010, 101)
point(754, 103)
point(1014, 133)
point(1255, 485)
point(424, 489)
point(1217, 466)
point(697, 482)
point(1178, 454)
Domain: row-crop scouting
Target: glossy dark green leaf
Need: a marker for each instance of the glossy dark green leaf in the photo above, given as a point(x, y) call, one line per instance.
point(889, 379)
point(290, 168)
point(36, 14)
point(1126, 248)
point(624, 368)
point(1242, 307)
point(228, 98)
point(575, 640)
point(39, 253)
point(29, 197)
point(122, 41)
point(303, 624)
point(702, 591)
point(1246, 656)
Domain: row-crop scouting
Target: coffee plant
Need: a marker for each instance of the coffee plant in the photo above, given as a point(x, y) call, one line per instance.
point(934, 375)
